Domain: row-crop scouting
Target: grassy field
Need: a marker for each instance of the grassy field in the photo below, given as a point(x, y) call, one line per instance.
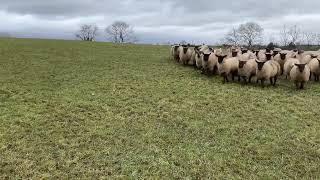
point(73, 109)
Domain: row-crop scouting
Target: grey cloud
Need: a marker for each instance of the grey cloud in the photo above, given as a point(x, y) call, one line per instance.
point(157, 20)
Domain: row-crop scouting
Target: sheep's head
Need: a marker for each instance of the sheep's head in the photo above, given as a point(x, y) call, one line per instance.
point(185, 49)
point(295, 50)
point(268, 50)
point(244, 51)
point(234, 53)
point(268, 55)
point(301, 67)
point(275, 53)
point(260, 65)
point(256, 52)
point(242, 63)
point(314, 56)
point(176, 48)
point(283, 56)
point(206, 57)
point(221, 58)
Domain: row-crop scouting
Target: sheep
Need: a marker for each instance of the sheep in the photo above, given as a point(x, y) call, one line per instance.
point(307, 58)
point(189, 53)
point(205, 62)
point(198, 59)
point(300, 74)
point(267, 70)
point(227, 67)
point(281, 59)
point(184, 55)
point(314, 66)
point(288, 65)
point(174, 52)
point(247, 69)
point(212, 64)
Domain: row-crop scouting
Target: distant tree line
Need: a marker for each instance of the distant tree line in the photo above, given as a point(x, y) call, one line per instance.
point(289, 37)
point(117, 32)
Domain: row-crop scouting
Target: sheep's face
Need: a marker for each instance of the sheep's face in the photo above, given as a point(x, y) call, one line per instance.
point(283, 56)
point(301, 67)
point(221, 58)
point(176, 48)
point(260, 65)
point(234, 54)
point(295, 50)
point(244, 51)
point(241, 64)
point(206, 57)
point(275, 53)
point(185, 49)
point(268, 56)
point(256, 52)
point(268, 50)
point(314, 56)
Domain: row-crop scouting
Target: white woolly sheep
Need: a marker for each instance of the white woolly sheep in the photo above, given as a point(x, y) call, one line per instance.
point(288, 65)
point(247, 69)
point(314, 66)
point(300, 75)
point(227, 66)
point(269, 70)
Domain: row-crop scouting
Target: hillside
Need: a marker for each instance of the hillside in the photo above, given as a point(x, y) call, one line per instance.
point(87, 110)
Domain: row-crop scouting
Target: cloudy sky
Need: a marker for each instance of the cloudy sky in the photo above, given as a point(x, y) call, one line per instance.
point(156, 21)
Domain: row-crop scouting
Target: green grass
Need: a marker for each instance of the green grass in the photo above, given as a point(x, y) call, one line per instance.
point(73, 110)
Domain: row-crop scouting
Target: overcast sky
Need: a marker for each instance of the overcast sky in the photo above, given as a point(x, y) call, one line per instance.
point(156, 20)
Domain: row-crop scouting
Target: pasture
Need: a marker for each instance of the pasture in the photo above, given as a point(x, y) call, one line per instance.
point(72, 109)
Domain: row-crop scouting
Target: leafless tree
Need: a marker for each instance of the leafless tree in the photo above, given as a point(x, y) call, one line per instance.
point(87, 32)
point(250, 33)
point(284, 36)
point(233, 37)
point(317, 38)
point(294, 34)
point(309, 38)
point(120, 32)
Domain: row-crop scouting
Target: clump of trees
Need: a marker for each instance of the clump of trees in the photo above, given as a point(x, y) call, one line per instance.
point(117, 32)
point(247, 34)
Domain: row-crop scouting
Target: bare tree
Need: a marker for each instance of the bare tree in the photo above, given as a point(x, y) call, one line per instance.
point(294, 34)
point(87, 32)
point(317, 39)
point(233, 37)
point(309, 38)
point(121, 32)
point(250, 33)
point(284, 36)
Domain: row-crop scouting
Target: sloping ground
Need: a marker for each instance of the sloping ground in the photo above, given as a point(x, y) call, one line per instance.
point(86, 110)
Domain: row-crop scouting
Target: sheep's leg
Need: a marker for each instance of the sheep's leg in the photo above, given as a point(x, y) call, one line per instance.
point(245, 79)
point(232, 76)
point(250, 78)
point(275, 80)
point(271, 81)
point(226, 78)
point(262, 82)
point(297, 84)
point(239, 78)
point(302, 85)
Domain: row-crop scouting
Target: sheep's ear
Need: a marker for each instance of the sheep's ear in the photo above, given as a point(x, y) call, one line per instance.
point(296, 64)
point(224, 56)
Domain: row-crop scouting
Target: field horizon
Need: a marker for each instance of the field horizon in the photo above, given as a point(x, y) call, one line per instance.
point(73, 109)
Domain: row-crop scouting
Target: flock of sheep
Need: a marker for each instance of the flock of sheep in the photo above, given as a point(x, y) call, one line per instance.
point(264, 65)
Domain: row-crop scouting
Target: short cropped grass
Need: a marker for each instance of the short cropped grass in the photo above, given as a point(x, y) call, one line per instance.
point(72, 109)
